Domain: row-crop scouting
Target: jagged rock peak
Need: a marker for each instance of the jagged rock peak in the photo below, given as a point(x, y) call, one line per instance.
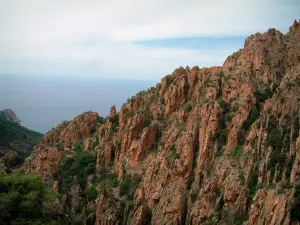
point(295, 25)
point(113, 111)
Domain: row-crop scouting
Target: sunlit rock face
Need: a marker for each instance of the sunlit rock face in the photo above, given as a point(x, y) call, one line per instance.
point(216, 145)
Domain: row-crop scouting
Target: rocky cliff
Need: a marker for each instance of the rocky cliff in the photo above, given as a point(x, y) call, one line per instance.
point(216, 145)
point(9, 115)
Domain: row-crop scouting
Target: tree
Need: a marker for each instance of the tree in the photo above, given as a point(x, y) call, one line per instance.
point(25, 199)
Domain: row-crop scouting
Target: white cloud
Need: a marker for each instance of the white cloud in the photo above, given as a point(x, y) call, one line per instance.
point(97, 37)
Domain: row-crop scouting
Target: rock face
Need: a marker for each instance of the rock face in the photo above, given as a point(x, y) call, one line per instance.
point(58, 142)
point(215, 145)
point(9, 115)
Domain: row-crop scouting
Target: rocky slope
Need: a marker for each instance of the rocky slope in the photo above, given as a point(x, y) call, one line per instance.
point(216, 145)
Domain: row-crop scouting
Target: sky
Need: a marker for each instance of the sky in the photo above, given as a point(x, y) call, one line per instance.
point(130, 39)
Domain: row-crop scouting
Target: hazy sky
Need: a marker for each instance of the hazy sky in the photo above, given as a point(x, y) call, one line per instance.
point(137, 39)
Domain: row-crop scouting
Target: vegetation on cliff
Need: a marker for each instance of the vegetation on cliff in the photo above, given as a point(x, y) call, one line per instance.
point(18, 140)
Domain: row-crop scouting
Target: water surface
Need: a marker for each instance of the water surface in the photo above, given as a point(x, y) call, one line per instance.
point(43, 102)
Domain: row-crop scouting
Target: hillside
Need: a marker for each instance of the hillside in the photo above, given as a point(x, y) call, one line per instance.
point(216, 145)
point(16, 142)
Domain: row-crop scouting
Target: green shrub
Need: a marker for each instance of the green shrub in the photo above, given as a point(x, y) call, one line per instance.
point(148, 91)
point(188, 108)
point(290, 166)
point(147, 216)
point(193, 195)
point(283, 70)
point(295, 209)
point(283, 185)
point(59, 147)
point(90, 168)
point(286, 141)
point(130, 100)
point(113, 120)
point(130, 113)
point(296, 125)
point(180, 70)
point(24, 199)
point(93, 130)
point(290, 84)
point(276, 158)
point(252, 183)
point(91, 193)
point(237, 151)
point(218, 192)
point(66, 162)
point(251, 119)
point(100, 119)
point(274, 139)
point(147, 120)
point(241, 137)
point(104, 185)
point(191, 180)
point(219, 153)
point(229, 116)
point(115, 182)
point(78, 147)
point(170, 79)
point(81, 165)
point(125, 186)
point(129, 203)
point(239, 219)
point(235, 107)
point(172, 155)
point(186, 87)
point(242, 178)
point(222, 137)
point(262, 95)
point(224, 105)
point(232, 99)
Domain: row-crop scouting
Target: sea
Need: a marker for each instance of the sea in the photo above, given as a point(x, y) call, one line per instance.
point(42, 102)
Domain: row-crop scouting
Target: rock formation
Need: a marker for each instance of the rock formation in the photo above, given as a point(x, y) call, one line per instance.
point(9, 115)
point(216, 145)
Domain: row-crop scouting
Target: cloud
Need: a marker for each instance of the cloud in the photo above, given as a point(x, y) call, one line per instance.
point(102, 37)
